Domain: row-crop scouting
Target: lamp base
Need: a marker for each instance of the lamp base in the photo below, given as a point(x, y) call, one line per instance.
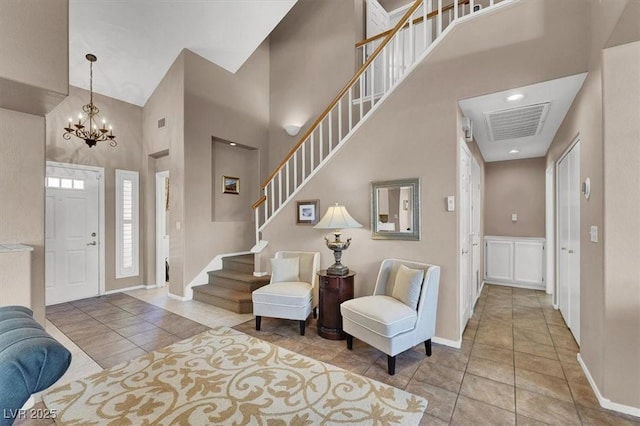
point(338, 269)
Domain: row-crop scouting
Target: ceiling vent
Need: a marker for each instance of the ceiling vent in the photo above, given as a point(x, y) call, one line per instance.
point(518, 122)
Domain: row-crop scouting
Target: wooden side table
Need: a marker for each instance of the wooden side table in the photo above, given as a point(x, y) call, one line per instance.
point(332, 292)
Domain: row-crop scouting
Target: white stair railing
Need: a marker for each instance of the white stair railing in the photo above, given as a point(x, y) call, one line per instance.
point(385, 61)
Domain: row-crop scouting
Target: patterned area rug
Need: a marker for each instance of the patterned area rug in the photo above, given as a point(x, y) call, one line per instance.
point(227, 377)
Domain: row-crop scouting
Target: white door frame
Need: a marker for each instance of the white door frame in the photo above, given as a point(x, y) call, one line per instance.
point(101, 215)
point(476, 243)
point(461, 272)
point(550, 230)
point(161, 218)
point(562, 157)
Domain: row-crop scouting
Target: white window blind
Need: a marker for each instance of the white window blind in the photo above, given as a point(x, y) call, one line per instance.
point(127, 224)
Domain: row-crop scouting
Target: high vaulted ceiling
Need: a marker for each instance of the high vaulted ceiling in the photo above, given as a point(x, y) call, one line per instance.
point(136, 41)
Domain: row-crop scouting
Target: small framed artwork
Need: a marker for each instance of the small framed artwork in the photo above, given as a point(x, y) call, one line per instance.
point(307, 212)
point(230, 185)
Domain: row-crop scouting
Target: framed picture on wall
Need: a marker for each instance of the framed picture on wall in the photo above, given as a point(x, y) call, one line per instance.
point(230, 185)
point(307, 212)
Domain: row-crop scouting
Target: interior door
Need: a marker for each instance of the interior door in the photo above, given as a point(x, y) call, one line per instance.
point(475, 229)
point(377, 22)
point(465, 234)
point(568, 202)
point(574, 242)
point(71, 234)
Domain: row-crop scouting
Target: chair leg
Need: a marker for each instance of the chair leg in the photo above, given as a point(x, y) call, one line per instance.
point(315, 313)
point(391, 364)
point(258, 321)
point(427, 347)
point(349, 341)
point(302, 324)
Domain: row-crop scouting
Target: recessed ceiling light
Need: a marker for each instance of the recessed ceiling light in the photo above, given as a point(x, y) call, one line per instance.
point(514, 151)
point(515, 97)
point(232, 143)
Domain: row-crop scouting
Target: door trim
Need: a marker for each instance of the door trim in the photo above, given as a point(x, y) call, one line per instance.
point(550, 231)
point(461, 298)
point(556, 185)
point(160, 271)
point(101, 215)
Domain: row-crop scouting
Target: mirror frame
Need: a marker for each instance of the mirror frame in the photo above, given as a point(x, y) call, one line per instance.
point(376, 234)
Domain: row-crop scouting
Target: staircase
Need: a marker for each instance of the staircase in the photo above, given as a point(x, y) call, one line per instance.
point(386, 60)
point(230, 287)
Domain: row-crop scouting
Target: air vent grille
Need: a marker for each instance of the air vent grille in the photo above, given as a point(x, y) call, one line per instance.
point(518, 122)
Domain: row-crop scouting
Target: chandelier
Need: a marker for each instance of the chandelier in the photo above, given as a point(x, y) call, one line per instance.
point(87, 128)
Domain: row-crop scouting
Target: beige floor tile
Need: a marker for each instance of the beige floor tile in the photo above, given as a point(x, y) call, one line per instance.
point(489, 391)
point(495, 338)
point(429, 420)
point(601, 417)
point(493, 370)
point(583, 393)
point(526, 421)
point(533, 348)
point(441, 402)
point(448, 358)
point(539, 364)
point(546, 409)
point(543, 384)
point(467, 409)
point(501, 355)
point(438, 375)
point(524, 335)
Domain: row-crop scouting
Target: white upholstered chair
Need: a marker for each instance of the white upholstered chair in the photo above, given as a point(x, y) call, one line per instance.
point(400, 314)
point(293, 290)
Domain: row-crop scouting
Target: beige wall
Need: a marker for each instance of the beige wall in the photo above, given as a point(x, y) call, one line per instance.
point(34, 65)
point(34, 78)
point(230, 107)
point(164, 150)
point(22, 193)
point(515, 186)
point(604, 118)
point(416, 129)
point(309, 64)
point(621, 109)
point(127, 126)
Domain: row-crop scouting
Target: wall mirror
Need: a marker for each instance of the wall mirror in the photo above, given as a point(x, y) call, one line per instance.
point(395, 209)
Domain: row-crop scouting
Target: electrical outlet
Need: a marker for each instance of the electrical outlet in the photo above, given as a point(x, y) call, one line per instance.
point(593, 233)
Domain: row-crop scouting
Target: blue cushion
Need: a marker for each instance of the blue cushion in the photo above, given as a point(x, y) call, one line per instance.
point(30, 360)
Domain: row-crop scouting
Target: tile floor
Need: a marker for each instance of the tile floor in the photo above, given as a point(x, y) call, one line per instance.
point(517, 364)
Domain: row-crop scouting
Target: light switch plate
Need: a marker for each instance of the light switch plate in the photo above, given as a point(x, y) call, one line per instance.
point(451, 203)
point(514, 217)
point(593, 233)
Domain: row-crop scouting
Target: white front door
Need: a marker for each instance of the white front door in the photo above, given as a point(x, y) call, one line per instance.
point(465, 235)
point(72, 239)
point(568, 202)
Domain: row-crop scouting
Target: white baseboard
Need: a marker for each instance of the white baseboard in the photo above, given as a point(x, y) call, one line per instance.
point(605, 402)
point(260, 274)
point(180, 298)
point(446, 342)
point(122, 290)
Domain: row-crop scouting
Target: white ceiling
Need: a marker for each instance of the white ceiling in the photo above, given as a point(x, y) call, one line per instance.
point(136, 41)
point(560, 93)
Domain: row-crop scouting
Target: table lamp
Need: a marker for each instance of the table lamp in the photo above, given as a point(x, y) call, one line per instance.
point(337, 218)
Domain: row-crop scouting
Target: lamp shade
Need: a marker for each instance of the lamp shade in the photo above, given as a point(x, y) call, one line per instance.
point(337, 217)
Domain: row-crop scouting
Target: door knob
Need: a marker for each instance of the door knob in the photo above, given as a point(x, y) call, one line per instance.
point(571, 251)
point(465, 251)
point(92, 243)
point(563, 248)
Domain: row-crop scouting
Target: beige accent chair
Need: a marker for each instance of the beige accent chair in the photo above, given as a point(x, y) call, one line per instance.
point(293, 290)
point(400, 314)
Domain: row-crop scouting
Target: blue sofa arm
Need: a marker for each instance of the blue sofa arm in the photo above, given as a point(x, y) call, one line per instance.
point(30, 360)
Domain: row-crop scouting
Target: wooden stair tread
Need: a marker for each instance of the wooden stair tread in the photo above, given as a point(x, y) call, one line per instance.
point(238, 276)
point(223, 292)
point(242, 258)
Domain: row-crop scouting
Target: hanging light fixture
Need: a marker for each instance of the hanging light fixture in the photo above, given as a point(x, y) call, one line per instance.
point(87, 127)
